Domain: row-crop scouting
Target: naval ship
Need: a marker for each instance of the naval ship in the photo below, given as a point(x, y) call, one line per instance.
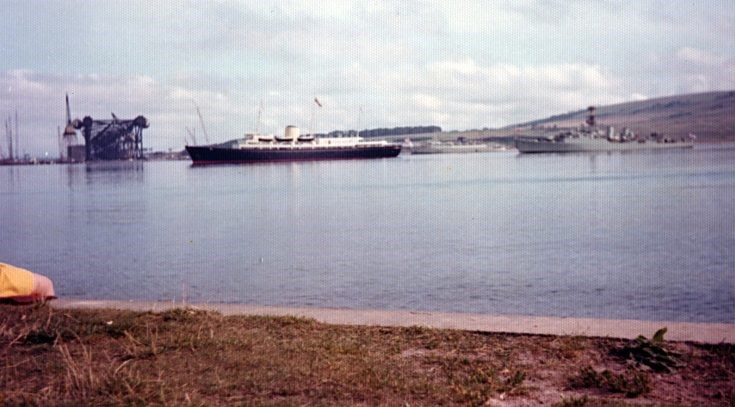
point(292, 146)
point(591, 137)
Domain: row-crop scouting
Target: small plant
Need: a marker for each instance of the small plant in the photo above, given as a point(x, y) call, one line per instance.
point(632, 384)
point(40, 336)
point(181, 314)
point(573, 402)
point(651, 353)
point(516, 379)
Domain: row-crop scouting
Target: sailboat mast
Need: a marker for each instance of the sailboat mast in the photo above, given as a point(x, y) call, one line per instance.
point(17, 141)
point(9, 136)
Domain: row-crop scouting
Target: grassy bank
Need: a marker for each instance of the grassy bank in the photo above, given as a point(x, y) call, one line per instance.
point(188, 357)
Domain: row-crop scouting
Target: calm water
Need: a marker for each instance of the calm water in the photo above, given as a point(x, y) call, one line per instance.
point(643, 235)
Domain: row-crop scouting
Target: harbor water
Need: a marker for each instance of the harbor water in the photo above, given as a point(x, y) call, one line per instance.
point(644, 235)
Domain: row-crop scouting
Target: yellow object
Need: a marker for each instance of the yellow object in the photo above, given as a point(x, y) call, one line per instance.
point(15, 282)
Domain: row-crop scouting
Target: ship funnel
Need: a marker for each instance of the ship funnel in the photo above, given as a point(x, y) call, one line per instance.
point(291, 133)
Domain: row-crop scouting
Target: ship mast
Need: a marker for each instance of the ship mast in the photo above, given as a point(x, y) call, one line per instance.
point(257, 120)
point(192, 133)
point(313, 115)
point(359, 120)
point(201, 121)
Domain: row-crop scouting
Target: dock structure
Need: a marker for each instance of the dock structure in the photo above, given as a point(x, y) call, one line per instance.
point(114, 139)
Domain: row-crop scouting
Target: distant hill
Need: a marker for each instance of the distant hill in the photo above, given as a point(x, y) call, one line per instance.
point(711, 116)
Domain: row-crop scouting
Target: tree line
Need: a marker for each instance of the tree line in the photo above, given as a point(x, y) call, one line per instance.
point(382, 132)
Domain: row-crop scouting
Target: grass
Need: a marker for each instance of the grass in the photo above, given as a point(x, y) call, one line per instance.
point(630, 383)
point(189, 357)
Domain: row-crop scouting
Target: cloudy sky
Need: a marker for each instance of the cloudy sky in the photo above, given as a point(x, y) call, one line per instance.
point(457, 64)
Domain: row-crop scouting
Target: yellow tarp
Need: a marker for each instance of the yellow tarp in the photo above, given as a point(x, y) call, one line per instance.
point(14, 281)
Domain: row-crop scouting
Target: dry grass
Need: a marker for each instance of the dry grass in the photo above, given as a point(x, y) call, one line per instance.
point(188, 357)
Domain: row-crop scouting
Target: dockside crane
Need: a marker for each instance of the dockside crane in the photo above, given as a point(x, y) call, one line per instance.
point(115, 139)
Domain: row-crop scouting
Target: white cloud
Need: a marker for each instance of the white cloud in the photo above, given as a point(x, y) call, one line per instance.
point(637, 97)
point(697, 82)
point(698, 56)
point(427, 101)
point(476, 96)
point(466, 66)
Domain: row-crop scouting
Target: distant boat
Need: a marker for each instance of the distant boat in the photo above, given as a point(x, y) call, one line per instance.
point(438, 147)
point(590, 138)
point(291, 147)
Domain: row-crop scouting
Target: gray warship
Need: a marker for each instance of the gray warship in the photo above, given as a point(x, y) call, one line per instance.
point(592, 137)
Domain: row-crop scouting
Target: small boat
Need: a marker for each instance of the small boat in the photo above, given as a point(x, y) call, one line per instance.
point(291, 147)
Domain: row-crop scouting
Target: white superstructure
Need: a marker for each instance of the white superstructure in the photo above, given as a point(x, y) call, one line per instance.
point(294, 140)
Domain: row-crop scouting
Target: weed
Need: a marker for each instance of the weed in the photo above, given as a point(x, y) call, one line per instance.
point(516, 379)
point(39, 336)
point(632, 384)
point(181, 315)
point(651, 353)
point(511, 385)
point(573, 402)
point(80, 375)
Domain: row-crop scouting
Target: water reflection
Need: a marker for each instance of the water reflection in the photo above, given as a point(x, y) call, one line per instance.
point(74, 174)
point(114, 171)
point(11, 176)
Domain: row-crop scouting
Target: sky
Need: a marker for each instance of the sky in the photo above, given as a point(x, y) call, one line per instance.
point(455, 64)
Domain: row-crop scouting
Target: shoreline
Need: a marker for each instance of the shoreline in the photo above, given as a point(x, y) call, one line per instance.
point(707, 333)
